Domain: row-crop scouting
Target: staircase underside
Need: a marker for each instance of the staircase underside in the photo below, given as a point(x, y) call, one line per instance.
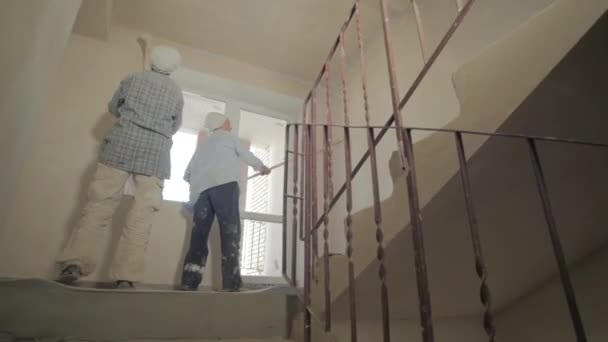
point(513, 231)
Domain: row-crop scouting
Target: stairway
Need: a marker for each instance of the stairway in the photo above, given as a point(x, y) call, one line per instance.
point(157, 340)
point(488, 94)
point(40, 309)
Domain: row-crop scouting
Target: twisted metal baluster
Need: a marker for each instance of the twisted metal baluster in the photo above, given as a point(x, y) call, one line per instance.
point(313, 192)
point(285, 203)
point(480, 267)
point(375, 184)
point(406, 153)
point(422, 281)
point(326, 194)
point(303, 170)
point(330, 194)
point(558, 249)
point(294, 237)
point(313, 142)
point(307, 233)
point(349, 197)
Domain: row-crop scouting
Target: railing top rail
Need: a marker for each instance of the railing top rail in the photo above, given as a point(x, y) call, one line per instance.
point(512, 135)
point(469, 132)
point(332, 51)
point(384, 129)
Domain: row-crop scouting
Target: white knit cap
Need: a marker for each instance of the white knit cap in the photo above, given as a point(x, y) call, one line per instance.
point(165, 59)
point(214, 120)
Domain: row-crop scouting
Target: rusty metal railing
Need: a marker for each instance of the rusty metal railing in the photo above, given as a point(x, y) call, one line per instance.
point(479, 263)
point(302, 173)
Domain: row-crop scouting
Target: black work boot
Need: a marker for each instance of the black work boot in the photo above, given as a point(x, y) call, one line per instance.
point(69, 275)
point(191, 280)
point(124, 285)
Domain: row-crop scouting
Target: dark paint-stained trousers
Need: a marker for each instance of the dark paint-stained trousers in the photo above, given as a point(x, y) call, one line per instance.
point(222, 202)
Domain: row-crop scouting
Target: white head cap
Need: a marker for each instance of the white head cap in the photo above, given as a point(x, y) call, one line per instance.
point(165, 59)
point(214, 120)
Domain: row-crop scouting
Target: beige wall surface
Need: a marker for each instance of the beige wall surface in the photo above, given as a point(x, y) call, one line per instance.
point(34, 35)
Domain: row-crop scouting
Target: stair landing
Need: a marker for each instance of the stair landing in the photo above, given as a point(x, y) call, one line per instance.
point(41, 309)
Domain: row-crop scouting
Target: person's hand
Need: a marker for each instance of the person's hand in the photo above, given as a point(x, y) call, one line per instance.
point(265, 170)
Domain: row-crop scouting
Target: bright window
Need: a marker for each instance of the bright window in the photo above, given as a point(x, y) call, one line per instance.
point(261, 243)
point(176, 188)
point(253, 254)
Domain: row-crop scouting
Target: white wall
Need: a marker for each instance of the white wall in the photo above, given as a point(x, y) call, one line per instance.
point(543, 315)
point(34, 36)
point(52, 186)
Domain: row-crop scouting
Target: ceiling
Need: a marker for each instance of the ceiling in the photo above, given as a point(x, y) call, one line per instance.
point(292, 37)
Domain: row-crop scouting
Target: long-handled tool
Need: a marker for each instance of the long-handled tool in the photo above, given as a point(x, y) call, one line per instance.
point(271, 168)
point(145, 42)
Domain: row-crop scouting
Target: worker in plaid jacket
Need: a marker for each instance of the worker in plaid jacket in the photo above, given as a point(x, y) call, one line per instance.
point(148, 108)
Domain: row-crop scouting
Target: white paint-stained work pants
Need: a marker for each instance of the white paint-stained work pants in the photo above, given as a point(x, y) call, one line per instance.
point(88, 237)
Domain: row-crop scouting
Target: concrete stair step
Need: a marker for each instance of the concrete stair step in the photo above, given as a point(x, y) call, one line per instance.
point(41, 309)
point(170, 340)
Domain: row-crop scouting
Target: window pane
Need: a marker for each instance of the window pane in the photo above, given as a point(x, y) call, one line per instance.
point(266, 138)
point(253, 255)
point(176, 188)
point(261, 251)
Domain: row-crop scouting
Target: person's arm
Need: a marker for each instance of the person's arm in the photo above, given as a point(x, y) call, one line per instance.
point(177, 116)
point(118, 98)
point(250, 158)
point(187, 172)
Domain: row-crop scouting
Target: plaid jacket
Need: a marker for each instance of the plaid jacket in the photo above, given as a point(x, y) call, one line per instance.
point(148, 106)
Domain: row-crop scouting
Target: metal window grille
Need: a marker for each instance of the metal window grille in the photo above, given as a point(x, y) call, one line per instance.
point(254, 232)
